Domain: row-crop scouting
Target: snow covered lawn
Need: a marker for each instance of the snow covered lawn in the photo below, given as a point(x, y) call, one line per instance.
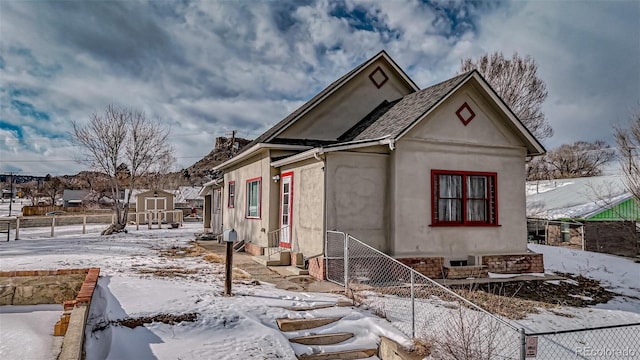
point(151, 272)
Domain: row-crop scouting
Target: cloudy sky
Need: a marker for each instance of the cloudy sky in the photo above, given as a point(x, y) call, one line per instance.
point(206, 67)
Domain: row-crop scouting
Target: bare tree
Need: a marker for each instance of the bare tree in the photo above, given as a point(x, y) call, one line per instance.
point(580, 159)
point(53, 188)
point(628, 141)
point(31, 192)
point(516, 81)
point(121, 139)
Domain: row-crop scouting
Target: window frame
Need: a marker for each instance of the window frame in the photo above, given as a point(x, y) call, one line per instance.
point(231, 195)
point(491, 198)
point(247, 215)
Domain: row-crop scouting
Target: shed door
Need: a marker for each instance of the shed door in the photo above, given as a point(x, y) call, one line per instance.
point(286, 198)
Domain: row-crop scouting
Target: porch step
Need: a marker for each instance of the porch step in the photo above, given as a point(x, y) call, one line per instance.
point(318, 306)
point(297, 271)
point(343, 355)
point(289, 270)
point(322, 339)
point(280, 259)
point(287, 324)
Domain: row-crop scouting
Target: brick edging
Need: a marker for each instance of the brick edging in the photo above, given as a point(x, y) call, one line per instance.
point(14, 273)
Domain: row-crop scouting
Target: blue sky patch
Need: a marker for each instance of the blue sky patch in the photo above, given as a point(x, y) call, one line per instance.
point(26, 109)
point(13, 128)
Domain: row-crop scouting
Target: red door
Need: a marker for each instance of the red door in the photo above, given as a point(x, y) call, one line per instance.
point(286, 201)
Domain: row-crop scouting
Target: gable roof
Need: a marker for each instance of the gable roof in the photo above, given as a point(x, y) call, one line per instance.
point(304, 108)
point(389, 120)
point(409, 109)
point(412, 108)
point(575, 198)
point(186, 193)
point(69, 195)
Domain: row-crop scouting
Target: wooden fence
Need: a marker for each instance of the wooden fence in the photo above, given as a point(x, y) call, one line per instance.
point(173, 218)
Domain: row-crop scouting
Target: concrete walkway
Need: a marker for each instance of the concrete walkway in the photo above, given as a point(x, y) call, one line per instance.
point(276, 275)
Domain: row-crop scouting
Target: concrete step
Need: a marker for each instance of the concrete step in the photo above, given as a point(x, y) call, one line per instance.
point(342, 355)
point(287, 324)
point(322, 339)
point(296, 270)
point(318, 306)
point(282, 259)
point(279, 259)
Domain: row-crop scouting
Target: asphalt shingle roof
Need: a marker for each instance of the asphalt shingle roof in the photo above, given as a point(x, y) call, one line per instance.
point(409, 109)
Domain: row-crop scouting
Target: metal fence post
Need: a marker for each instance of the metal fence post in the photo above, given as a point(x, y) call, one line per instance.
point(413, 308)
point(346, 264)
point(523, 344)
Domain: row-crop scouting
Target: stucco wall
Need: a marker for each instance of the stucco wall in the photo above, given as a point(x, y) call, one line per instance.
point(253, 230)
point(348, 105)
point(357, 196)
point(442, 142)
point(307, 222)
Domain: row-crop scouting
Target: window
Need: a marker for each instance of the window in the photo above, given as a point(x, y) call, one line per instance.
point(231, 199)
point(464, 198)
point(253, 198)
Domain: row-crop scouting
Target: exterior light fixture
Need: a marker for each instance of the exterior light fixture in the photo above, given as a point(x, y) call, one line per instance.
point(155, 194)
point(276, 178)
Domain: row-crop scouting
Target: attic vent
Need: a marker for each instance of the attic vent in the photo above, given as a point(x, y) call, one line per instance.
point(465, 114)
point(378, 77)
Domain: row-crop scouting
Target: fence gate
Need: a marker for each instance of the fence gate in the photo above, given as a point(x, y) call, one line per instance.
point(334, 256)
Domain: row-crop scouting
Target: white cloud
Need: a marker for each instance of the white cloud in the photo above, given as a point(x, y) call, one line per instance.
point(205, 68)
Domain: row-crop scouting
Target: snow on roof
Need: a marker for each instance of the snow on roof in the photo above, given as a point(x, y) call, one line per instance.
point(186, 193)
point(574, 198)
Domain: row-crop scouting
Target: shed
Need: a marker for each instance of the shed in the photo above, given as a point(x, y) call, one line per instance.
point(156, 203)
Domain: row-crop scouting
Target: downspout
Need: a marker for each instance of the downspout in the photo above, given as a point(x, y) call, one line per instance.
point(324, 206)
point(317, 154)
point(392, 144)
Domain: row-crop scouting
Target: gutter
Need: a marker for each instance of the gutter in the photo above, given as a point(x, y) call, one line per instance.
point(319, 151)
point(251, 151)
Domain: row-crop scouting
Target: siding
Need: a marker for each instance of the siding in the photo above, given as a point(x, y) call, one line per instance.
point(627, 210)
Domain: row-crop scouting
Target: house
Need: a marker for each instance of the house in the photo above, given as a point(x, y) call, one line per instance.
point(433, 177)
point(594, 213)
point(188, 197)
point(73, 198)
point(211, 192)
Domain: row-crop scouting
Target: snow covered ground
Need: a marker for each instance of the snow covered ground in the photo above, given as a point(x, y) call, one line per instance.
point(616, 274)
point(147, 273)
point(139, 278)
point(26, 332)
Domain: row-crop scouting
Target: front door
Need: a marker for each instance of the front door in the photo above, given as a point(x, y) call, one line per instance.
point(286, 199)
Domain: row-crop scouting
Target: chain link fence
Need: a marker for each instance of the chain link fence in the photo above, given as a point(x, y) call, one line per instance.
point(606, 342)
point(452, 326)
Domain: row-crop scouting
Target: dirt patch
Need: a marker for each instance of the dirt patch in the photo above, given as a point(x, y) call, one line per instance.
point(170, 271)
point(577, 291)
point(140, 321)
point(192, 251)
point(510, 307)
point(515, 300)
